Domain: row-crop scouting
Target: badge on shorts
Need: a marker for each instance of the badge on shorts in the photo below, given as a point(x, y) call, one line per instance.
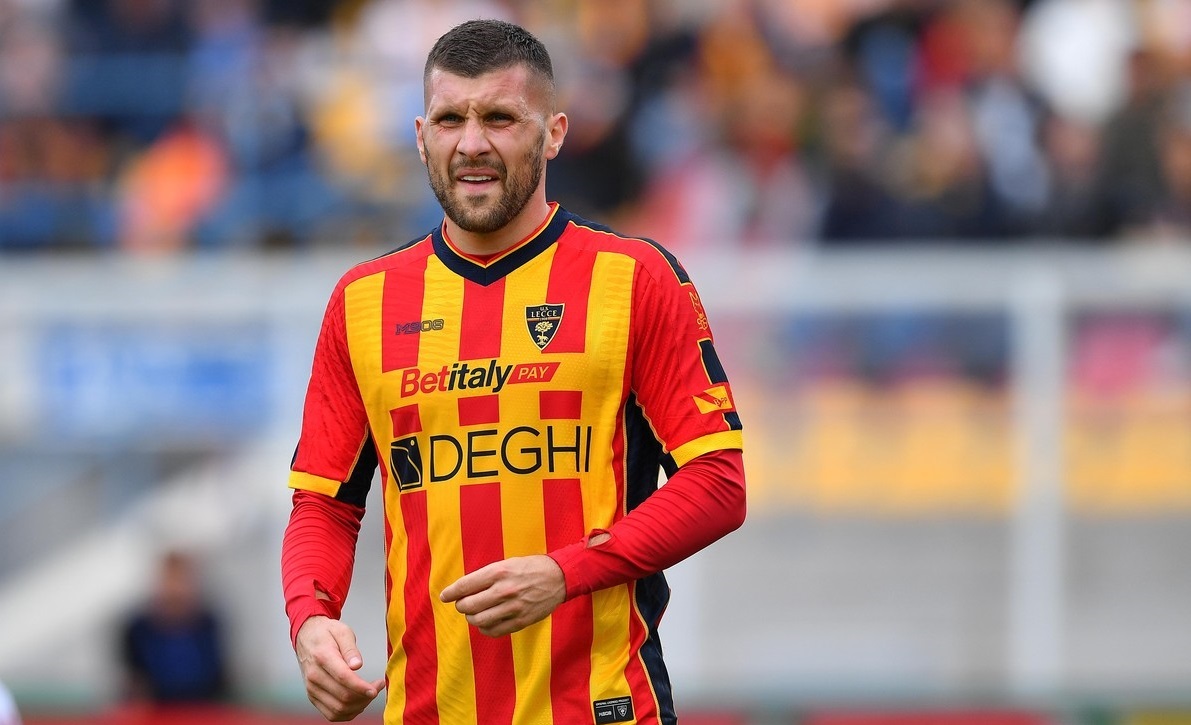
point(543, 321)
point(616, 709)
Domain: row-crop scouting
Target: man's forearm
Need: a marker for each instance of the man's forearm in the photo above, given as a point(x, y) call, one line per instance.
point(317, 556)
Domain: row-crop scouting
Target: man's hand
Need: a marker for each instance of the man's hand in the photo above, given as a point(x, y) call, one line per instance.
point(508, 596)
point(328, 656)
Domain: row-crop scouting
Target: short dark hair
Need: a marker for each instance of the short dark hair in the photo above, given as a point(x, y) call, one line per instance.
point(476, 47)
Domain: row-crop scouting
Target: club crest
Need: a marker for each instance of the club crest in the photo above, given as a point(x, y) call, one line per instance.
point(543, 322)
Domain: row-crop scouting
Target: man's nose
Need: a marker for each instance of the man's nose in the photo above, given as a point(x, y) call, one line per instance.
point(474, 141)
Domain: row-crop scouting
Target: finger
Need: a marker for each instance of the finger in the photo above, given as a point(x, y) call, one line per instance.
point(476, 581)
point(493, 616)
point(338, 671)
point(479, 602)
point(328, 688)
point(335, 706)
point(331, 708)
point(337, 692)
point(501, 627)
point(346, 639)
point(323, 702)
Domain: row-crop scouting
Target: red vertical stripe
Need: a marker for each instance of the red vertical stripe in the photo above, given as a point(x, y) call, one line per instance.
point(407, 420)
point(572, 623)
point(560, 404)
point(492, 658)
point(418, 641)
point(570, 284)
point(479, 409)
point(401, 305)
point(483, 317)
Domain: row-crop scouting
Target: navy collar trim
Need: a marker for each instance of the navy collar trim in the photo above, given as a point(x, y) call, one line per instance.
point(502, 266)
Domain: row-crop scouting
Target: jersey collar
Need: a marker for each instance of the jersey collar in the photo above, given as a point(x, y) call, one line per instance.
point(499, 266)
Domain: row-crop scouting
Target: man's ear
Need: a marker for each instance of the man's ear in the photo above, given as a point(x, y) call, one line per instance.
point(419, 123)
point(556, 133)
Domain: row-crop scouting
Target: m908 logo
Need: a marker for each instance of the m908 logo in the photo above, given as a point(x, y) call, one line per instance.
point(418, 326)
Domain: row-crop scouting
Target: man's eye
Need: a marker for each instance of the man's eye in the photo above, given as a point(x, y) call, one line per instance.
point(450, 119)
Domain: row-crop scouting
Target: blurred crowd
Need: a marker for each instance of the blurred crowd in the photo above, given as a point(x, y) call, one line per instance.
point(163, 125)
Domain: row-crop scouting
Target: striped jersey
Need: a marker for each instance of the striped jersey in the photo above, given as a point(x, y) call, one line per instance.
point(513, 406)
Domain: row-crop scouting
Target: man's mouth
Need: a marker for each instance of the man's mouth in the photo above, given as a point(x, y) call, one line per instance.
point(477, 178)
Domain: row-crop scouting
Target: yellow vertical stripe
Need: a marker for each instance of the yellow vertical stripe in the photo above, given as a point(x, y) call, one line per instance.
point(521, 498)
point(610, 654)
point(456, 679)
point(524, 287)
point(362, 305)
point(607, 345)
point(524, 535)
point(444, 299)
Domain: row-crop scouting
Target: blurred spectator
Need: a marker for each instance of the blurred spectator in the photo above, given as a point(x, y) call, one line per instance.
point(8, 708)
point(859, 206)
point(1075, 207)
point(944, 183)
point(1006, 115)
point(1131, 174)
point(171, 647)
point(600, 174)
point(167, 189)
point(1170, 216)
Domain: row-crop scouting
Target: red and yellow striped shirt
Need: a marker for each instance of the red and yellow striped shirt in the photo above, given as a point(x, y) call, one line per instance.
point(514, 406)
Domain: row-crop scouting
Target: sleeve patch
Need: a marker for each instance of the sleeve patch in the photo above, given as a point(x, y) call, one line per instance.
point(715, 399)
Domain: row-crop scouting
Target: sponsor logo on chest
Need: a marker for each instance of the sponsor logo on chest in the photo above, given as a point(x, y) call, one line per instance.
point(490, 376)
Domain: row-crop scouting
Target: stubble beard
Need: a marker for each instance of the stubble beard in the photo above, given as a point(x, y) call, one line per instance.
point(477, 216)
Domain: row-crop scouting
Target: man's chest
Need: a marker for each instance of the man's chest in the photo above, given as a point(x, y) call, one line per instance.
point(529, 346)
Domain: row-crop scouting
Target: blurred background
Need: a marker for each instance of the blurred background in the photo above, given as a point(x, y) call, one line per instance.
point(945, 246)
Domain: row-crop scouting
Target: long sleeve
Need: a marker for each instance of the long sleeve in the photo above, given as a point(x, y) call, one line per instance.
point(318, 553)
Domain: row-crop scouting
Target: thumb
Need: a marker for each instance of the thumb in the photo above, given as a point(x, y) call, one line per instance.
point(346, 639)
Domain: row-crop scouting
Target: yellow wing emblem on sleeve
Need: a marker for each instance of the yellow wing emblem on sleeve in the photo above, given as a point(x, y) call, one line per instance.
point(715, 398)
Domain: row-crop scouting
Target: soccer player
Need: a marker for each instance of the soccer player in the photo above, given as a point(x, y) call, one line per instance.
point(519, 374)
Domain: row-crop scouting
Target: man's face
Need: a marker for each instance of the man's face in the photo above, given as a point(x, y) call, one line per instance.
point(485, 142)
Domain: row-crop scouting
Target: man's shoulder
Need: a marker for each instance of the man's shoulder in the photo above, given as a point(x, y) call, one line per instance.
point(409, 253)
point(651, 255)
